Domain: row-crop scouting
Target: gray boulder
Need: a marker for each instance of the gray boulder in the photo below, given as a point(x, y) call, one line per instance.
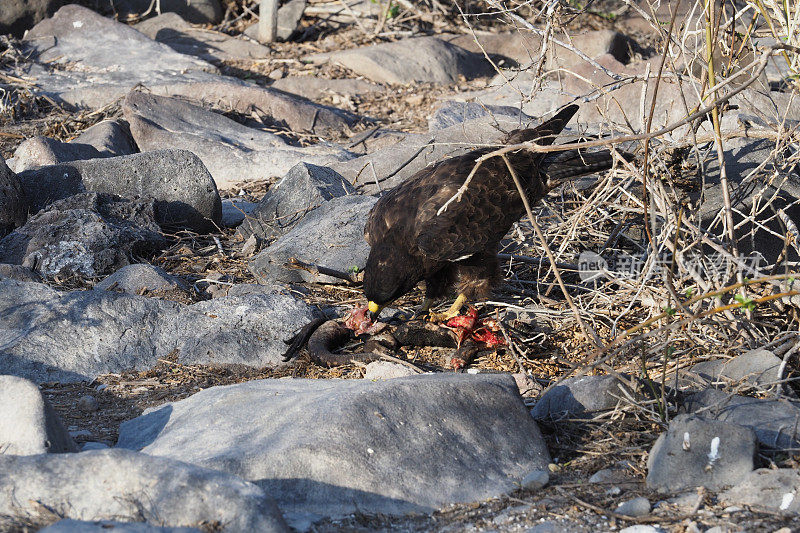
point(184, 193)
point(18, 273)
point(13, 202)
point(331, 236)
point(178, 34)
point(329, 446)
point(87, 234)
point(636, 507)
point(110, 137)
point(125, 485)
point(233, 153)
point(80, 36)
point(618, 109)
point(775, 422)
point(748, 189)
point(576, 397)
point(75, 336)
point(139, 278)
point(17, 16)
point(247, 329)
point(757, 367)
point(504, 91)
point(304, 188)
point(383, 370)
point(451, 113)
point(696, 452)
point(772, 490)
point(28, 423)
point(768, 109)
point(425, 59)
point(273, 106)
point(194, 11)
point(42, 151)
point(105, 139)
point(96, 78)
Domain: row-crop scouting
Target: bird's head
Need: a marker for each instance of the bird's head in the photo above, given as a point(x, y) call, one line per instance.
point(389, 274)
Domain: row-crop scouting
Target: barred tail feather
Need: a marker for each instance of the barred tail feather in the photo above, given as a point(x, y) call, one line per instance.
point(562, 166)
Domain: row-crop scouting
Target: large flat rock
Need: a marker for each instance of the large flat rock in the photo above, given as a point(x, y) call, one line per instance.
point(47, 335)
point(72, 64)
point(105, 139)
point(233, 153)
point(426, 59)
point(772, 490)
point(525, 48)
point(581, 396)
point(333, 447)
point(42, 151)
point(775, 422)
point(130, 486)
point(78, 35)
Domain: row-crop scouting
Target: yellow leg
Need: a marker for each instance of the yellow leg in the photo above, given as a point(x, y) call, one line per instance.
point(454, 310)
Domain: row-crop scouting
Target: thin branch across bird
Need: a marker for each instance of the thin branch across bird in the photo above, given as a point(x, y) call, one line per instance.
point(454, 250)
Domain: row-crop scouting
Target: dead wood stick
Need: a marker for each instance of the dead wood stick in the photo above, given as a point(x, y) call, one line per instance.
point(317, 270)
point(536, 261)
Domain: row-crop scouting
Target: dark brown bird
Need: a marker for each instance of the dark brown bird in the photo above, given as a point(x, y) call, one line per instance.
point(456, 251)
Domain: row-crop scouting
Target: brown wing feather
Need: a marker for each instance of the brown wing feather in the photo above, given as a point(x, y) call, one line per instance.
point(487, 209)
point(474, 224)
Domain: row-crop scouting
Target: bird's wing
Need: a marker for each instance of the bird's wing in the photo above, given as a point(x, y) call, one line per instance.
point(489, 205)
point(473, 224)
point(391, 212)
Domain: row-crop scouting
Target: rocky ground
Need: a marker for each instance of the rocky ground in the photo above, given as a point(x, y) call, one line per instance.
point(177, 200)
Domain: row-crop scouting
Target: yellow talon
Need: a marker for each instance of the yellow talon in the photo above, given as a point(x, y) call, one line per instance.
point(453, 311)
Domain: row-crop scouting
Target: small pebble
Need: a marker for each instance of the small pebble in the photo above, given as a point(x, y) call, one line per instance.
point(636, 507)
point(87, 404)
point(536, 480)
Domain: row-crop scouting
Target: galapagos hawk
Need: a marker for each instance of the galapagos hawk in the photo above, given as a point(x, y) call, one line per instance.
point(456, 251)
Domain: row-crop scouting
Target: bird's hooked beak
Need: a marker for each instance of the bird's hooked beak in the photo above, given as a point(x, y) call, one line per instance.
point(374, 310)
